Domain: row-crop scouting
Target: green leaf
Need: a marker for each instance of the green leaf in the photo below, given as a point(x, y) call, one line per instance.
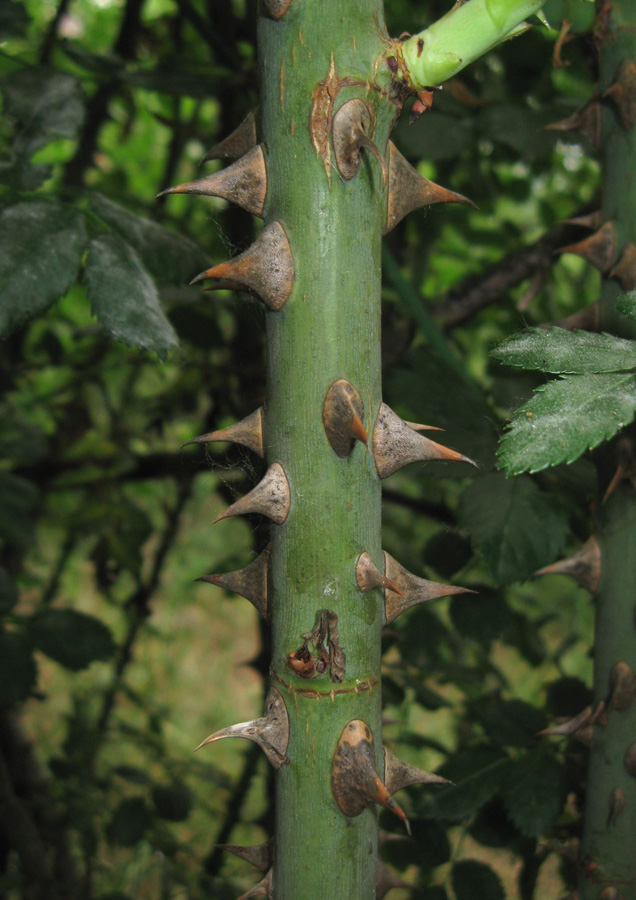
point(71, 638)
point(124, 298)
point(173, 802)
point(532, 790)
point(17, 499)
point(18, 672)
point(566, 352)
point(565, 418)
point(133, 774)
point(472, 879)
point(41, 246)
point(509, 723)
point(626, 304)
point(129, 822)
point(14, 20)
point(48, 104)
point(169, 257)
point(476, 775)
point(515, 526)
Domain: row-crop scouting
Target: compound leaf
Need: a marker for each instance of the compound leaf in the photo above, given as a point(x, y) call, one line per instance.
point(567, 352)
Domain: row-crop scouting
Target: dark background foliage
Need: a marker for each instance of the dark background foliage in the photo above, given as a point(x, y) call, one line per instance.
point(113, 665)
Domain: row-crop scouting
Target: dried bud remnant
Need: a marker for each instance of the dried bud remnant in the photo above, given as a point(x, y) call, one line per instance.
point(342, 416)
point(349, 129)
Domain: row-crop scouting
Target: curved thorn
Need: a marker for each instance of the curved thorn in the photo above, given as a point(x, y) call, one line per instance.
point(264, 888)
point(271, 497)
point(408, 190)
point(250, 582)
point(411, 589)
point(342, 414)
point(270, 732)
point(266, 268)
point(599, 248)
point(259, 856)
point(243, 183)
point(587, 121)
point(248, 432)
point(396, 445)
point(368, 576)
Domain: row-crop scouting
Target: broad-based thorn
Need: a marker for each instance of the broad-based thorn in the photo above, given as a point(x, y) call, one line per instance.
point(250, 582)
point(408, 190)
point(368, 576)
point(242, 139)
point(396, 444)
point(625, 268)
point(349, 130)
point(622, 93)
point(584, 566)
point(342, 417)
point(581, 726)
point(277, 8)
point(271, 497)
point(243, 183)
point(260, 856)
point(248, 432)
point(408, 590)
point(592, 220)
point(587, 121)
point(599, 248)
point(622, 687)
point(264, 888)
point(398, 774)
point(270, 732)
point(265, 269)
point(355, 782)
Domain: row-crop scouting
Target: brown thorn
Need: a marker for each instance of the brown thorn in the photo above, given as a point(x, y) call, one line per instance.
point(243, 183)
point(398, 774)
point(248, 432)
point(266, 268)
point(411, 589)
point(622, 687)
point(355, 782)
point(592, 220)
point(349, 131)
point(368, 576)
point(622, 93)
point(385, 881)
point(629, 760)
point(599, 248)
point(277, 8)
point(259, 856)
point(587, 121)
point(250, 582)
point(270, 732)
point(396, 445)
point(584, 566)
point(562, 39)
point(625, 268)
point(264, 888)
point(417, 426)
point(242, 139)
point(342, 415)
point(408, 190)
point(570, 726)
point(271, 497)
point(617, 804)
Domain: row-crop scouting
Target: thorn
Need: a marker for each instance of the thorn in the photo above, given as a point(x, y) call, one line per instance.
point(259, 856)
point(248, 432)
point(625, 268)
point(416, 426)
point(266, 268)
point(271, 497)
point(342, 415)
point(411, 589)
point(250, 582)
point(398, 774)
point(622, 687)
point(238, 142)
point(592, 220)
point(562, 39)
point(270, 732)
point(599, 248)
point(385, 881)
point(243, 183)
point(622, 93)
point(408, 190)
point(368, 576)
point(396, 445)
point(277, 8)
point(587, 121)
point(629, 760)
point(584, 566)
point(349, 129)
point(355, 782)
point(264, 888)
point(580, 727)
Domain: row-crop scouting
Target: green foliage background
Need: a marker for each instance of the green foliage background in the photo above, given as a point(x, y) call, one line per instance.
point(113, 665)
